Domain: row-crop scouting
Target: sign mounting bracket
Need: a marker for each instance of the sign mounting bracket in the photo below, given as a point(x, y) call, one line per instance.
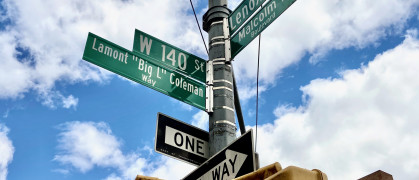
point(209, 99)
point(227, 40)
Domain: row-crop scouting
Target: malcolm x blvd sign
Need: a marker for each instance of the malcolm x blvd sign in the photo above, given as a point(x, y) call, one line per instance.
point(169, 55)
point(243, 11)
point(235, 160)
point(140, 69)
point(257, 24)
point(181, 141)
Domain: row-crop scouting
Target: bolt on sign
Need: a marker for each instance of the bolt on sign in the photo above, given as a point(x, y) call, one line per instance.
point(259, 22)
point(140, 69)
point(169, 55)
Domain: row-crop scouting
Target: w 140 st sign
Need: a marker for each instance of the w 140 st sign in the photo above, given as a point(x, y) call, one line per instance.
point(140, 69)
point(169, 55)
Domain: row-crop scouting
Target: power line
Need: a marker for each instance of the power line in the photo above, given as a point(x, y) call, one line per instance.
point(257, 93)
point(199, 27)
point(257, 87)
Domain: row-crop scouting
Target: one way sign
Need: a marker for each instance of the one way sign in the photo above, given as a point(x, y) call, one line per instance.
point(228, 168)
point(180, 140)
point(235, 160)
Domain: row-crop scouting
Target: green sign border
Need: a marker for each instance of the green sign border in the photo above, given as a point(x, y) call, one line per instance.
point(126, 66)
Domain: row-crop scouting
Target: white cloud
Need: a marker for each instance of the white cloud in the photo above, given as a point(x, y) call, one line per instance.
point(52, 99)
point(61, 171)
point(248, 90)
point(315, 28)
point(6, 150)
point(9, 111)
point(86, 145)
point(170, 168)
point(14, 75)
point(6, 114)
point(44, 43)
point(70, 101)
point(285, 109)
point(354, 125)
point(181, 105)
point(200, 120)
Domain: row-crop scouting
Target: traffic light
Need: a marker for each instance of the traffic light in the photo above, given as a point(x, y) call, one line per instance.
point(262, 173)
point(139, 177)
point(275, 172)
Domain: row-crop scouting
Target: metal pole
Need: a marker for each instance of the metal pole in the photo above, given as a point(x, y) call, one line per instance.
point(222, 127)
point(238, 106)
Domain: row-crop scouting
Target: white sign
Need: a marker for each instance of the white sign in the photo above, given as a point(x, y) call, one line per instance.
point(228, 168)
point(235, 160)
point(182, 141)
point(186, 142)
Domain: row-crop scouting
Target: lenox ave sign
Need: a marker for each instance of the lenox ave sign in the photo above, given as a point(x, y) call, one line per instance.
point(259, 22)
point(243, 11)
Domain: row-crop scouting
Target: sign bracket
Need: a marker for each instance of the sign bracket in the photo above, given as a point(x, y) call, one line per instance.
point(227, 40)
point(209, 99)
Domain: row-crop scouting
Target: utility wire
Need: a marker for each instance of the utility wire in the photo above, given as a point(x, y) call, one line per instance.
point(199, 27)
point(237, 105)
point(257, 93)
point(257, 87)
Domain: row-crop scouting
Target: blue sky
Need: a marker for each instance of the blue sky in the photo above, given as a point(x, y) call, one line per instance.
point(338, 89)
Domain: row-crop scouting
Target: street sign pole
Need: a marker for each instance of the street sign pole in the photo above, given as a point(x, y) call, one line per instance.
point(222, 127)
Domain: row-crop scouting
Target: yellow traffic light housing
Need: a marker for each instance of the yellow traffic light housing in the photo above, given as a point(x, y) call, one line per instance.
point(139, 177)
point(275, 172)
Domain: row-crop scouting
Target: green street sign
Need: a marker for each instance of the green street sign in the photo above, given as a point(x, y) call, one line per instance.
point(258, 23)
point(140, 69)
point(170, 56)
point(243, 11)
